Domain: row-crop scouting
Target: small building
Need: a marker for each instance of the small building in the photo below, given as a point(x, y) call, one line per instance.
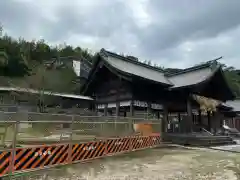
point(232, 116)
point(30, 100)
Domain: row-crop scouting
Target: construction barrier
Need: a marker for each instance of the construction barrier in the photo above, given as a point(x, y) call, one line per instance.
point(40, 157)
point(4, 162)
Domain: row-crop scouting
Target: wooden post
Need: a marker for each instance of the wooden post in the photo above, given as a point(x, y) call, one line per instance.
point(117, 114)
point(71, 140)
point(209, 121)
point(131, 108)
point(221, 122)
point(14, 144)
point(92, 106)
point(105, 109)
point(234, 122)
point(130, 121)
point(165, 119)
point(117, 108)
point(199, 117)
point(189, 122)
point(117, 102)
point(179, 122)
point(96, 109)
point(148, 110)
point(179, 117)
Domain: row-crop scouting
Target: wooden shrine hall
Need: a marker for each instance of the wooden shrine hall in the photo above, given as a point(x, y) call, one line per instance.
point(123, 86)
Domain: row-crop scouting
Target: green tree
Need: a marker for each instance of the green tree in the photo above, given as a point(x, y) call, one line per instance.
point(26, 57)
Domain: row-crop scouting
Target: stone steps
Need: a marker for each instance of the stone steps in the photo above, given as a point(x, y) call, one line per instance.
point(198, 140)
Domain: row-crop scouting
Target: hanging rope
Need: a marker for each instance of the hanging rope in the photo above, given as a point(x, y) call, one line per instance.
point(206, 104)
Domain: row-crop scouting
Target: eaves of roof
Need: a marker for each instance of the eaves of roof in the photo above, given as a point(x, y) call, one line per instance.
point(135, 68)
point(234, 104)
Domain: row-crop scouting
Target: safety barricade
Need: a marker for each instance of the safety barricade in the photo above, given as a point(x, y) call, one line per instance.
point(5, 158)
point(40, 157)
point(155, 140)
point(139, 143)
point(87, 151)
point(118, 145)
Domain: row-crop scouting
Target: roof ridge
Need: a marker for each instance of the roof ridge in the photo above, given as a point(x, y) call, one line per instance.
point(36, 91)
point(194, 68)
point(106, 52)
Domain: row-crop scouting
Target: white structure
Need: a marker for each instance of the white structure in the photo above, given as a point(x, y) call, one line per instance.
point(77, 67)
point(81, 68)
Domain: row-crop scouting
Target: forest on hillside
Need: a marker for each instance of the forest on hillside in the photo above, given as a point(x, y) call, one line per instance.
point(24, 66)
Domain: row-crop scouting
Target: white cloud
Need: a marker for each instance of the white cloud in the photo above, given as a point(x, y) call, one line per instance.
point(139, 12)
point(170, 33)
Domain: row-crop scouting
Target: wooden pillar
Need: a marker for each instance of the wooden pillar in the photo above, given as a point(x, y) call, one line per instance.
point(117, 115)
point(209, 121)
point(148, 110)
point(165, 119)
point(117, 99)
point(179, 117)
point(189, 122)
point(92, 106)
point(199, 117)
point(221, 122)
point(96, 109)
point(96, 105)
point(234, 123)
point(130, 121)
point(158, 115)
point(179, 122)
point(131, 108)
point(117, 108)
point(105, 109)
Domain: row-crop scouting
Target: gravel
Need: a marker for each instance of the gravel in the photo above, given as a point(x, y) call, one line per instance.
point(154, 164)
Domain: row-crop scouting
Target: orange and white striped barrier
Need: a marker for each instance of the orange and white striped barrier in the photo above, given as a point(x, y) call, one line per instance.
point(40, 157)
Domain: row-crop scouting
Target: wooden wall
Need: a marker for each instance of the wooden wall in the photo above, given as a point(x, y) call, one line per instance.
point(233, 122)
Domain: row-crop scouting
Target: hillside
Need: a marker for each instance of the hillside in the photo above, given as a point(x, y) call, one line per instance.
point(22, 64)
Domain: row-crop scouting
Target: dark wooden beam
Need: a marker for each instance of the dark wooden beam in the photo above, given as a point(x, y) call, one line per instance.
point(105, 110)
point(165, 119)
point(189, 122)
point(131, 109)
point(209, 121)
point(199, 117)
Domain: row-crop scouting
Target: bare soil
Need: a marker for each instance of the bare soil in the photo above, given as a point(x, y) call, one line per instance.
point(154, 164)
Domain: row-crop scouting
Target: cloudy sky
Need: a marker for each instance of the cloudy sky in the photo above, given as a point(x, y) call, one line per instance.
point(171, 33)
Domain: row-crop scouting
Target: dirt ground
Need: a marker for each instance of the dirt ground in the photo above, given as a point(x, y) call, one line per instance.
point(154, 164)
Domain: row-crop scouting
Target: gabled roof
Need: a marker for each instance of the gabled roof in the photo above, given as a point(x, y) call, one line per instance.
point(127, 68)
point(133, 67)
point(186, 78)
point(191, 78)
point(193, 75)
point(204, 75)
point(234, 104)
